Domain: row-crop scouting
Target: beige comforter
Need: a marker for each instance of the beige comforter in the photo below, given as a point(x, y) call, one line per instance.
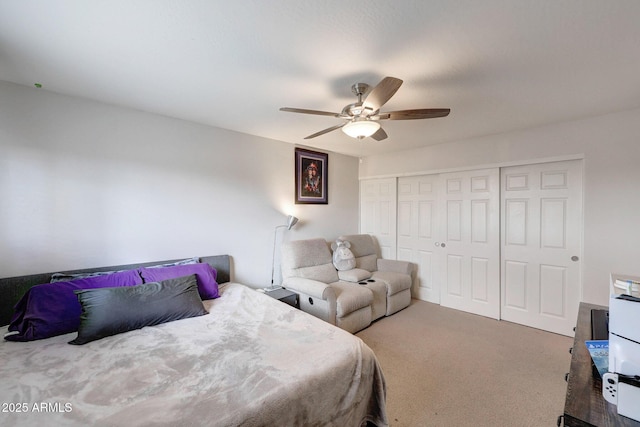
point(253, 361)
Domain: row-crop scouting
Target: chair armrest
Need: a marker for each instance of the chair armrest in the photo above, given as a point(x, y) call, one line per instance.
point(309, 287)
point(395, 266)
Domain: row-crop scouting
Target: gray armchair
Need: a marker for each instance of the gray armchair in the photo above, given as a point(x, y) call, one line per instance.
point(395, 274)
point(308, 270)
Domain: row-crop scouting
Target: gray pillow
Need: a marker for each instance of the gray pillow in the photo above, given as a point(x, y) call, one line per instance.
point(111, 311)
point(188, 261)
point(65, 277)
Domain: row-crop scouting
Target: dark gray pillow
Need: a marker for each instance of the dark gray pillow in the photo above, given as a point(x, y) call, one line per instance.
point(111, 311)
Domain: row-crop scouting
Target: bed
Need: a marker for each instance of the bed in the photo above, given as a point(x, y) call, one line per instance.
point(251, 361)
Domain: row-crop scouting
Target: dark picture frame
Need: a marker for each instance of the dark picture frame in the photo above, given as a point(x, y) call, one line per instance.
point(311, 177)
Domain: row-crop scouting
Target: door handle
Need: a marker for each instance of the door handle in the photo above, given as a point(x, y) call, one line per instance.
point(437, 244)
point(440, 245)
point(575, 258)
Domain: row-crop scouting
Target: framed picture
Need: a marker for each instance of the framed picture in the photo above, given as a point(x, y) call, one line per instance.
point(311, 177)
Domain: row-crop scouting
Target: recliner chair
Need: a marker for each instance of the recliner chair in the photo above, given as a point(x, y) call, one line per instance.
point(308, 270)
point(394, 273)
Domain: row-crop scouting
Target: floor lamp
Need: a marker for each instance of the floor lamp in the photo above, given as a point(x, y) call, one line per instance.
point(291, 221)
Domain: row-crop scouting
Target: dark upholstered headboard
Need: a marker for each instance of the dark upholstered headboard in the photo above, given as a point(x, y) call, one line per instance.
point(13, 288)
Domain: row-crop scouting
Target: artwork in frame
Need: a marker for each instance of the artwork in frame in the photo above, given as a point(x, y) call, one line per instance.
point(311, 177)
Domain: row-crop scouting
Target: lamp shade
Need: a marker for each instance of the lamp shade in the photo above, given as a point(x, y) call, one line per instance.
point(361, 128)
point(291, 221)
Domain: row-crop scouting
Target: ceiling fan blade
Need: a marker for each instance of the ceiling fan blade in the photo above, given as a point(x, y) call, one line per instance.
point(423, 113)
point(380, 94)
point(379, 135)
point(327, 130)
point(305, 111)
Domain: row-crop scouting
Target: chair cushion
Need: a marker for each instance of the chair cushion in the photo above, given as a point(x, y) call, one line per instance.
point(396, 282)
point(367, 262)
point(322, 273)
point(354, 275)
point(351, 297)
point(365, 250)
point(310, 259)
point(361, 244)
point(306, 253)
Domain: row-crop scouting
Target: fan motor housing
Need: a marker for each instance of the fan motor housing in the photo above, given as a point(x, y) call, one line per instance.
point(359, 89)
point(357, 110)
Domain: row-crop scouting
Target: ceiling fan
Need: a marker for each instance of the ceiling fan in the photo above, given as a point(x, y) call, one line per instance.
point(362, 117)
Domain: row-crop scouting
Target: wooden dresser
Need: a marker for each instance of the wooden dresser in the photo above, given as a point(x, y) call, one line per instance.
point(584, 404)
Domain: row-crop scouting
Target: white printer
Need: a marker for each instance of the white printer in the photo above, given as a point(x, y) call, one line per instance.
point(621, 385)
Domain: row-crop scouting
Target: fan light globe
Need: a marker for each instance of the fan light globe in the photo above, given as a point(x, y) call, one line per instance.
point(360, 128)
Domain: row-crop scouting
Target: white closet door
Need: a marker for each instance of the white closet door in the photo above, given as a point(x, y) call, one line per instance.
point(470, 242)
point(417, 232)
point(542, 222)
point(378, 213)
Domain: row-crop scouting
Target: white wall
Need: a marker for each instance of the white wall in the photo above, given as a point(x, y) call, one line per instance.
point(85, 184)
point(610, 146)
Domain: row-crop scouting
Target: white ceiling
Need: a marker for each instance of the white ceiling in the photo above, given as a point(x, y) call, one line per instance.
point(500, 65)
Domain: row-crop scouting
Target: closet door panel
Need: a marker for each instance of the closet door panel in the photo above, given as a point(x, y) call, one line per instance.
point(542, 227)
point(417, 231)
point(378, 213)
point(470, 243)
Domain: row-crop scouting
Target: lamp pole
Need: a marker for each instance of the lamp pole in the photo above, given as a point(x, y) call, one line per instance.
point(291, 221)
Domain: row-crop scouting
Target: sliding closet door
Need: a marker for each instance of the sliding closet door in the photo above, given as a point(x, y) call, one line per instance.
point(378, 213)
point(418, 231)
point(542, 223)
point(469, 245)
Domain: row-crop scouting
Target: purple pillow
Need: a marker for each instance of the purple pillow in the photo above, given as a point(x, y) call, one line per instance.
point(205, 275)
point(53, 309)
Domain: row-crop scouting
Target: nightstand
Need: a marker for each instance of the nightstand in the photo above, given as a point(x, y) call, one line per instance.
point(284, 295)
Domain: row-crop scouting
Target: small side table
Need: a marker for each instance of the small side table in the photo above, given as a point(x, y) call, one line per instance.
point(284, 295)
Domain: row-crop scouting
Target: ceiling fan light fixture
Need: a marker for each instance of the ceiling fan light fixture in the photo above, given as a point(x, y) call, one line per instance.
point(362, 117)
point(360, 128)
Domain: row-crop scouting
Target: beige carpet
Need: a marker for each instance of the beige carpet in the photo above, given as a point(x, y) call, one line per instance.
point(445, 367)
